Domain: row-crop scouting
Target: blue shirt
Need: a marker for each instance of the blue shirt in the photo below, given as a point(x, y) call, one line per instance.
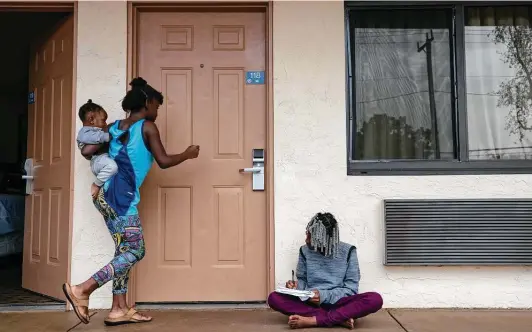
point(334, 277)
point(134, 161)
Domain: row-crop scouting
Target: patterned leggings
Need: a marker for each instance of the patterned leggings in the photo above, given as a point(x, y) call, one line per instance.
point(129, 243)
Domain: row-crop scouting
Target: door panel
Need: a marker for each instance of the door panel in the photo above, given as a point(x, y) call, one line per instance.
point(47, 224)
point(205, 228)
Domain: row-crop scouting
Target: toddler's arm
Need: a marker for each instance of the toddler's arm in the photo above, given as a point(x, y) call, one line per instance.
point(88, 151)
point(92, 136)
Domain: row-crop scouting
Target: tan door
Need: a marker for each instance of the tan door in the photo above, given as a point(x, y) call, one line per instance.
point(205, 227)
point(47, 224)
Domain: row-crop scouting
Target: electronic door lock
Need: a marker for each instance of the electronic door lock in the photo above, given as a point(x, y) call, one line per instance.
point(29, 176)
point(257, 170)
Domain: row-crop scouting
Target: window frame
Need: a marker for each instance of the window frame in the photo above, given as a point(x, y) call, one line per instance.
point(463, 165)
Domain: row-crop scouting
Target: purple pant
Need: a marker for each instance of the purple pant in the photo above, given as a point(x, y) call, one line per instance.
point(355, 306)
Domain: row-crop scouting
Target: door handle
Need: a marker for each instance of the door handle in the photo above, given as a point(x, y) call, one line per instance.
point(257, 170)
point(29, 176)
point(252, 170)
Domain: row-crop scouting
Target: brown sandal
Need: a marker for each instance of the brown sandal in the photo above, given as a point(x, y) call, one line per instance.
point(76, 303)
point(125, 319)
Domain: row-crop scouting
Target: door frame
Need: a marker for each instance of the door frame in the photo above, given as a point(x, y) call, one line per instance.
point(41, 6)
point(44, 6)
point(266, 6)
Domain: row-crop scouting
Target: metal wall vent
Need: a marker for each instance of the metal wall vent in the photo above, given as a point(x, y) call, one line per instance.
point(458, 232)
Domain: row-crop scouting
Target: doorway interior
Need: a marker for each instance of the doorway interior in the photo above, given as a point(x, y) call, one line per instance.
point(18, 30)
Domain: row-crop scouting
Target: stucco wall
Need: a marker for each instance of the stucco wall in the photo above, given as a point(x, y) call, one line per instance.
point(310, 167)
point(101, 76)
point(310, 174)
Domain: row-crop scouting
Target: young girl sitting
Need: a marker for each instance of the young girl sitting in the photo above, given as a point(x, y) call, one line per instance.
point(329, 268)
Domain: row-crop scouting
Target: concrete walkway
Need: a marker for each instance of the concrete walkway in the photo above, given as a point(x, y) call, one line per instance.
point(264, 320)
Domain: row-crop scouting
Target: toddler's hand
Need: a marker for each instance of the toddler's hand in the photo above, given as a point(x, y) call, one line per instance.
point(94, 191)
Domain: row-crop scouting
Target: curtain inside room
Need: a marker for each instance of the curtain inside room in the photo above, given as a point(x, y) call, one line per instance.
point(498, 50)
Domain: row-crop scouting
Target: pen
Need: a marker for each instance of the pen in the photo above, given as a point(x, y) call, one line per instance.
point(293, 280)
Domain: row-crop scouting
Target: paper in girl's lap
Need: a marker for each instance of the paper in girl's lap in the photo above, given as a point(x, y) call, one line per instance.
point(302, 294)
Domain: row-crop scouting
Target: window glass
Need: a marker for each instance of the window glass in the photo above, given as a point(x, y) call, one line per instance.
point(403, 92)
point(498, 52)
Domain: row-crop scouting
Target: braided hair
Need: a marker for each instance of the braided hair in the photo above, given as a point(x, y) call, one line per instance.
point(324, 233)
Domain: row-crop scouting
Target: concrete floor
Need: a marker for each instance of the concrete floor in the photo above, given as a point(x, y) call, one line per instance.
point(265, 320)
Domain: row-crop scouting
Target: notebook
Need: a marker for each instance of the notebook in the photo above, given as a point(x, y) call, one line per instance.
point(302, 294)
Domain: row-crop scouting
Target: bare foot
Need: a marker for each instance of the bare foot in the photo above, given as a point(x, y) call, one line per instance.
point(94, 190)
point(116, 313)
point(300, 322)
point(349, 324)
point(143, 317)
point(78, 292)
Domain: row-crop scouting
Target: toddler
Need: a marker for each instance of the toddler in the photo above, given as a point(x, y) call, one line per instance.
point(94, 132)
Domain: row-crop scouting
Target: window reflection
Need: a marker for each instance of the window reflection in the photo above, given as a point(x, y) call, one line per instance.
point(403, 86)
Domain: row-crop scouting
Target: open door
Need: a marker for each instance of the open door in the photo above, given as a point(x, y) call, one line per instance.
point(48, 168)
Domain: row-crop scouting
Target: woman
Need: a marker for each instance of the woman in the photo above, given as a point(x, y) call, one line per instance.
point(135, 142)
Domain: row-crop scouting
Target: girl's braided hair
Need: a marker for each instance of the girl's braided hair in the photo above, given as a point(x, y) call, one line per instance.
point(324, 233)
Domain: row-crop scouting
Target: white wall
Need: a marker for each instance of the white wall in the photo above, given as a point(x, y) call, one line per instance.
point(101, 76)
point(310, 174)
point(310, 166)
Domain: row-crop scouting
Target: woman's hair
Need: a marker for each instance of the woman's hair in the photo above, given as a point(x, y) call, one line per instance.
point(88, 107)
point(140, 94)
point(324, 233)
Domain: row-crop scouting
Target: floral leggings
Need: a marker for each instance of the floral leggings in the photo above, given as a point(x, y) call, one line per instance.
point(129, 243)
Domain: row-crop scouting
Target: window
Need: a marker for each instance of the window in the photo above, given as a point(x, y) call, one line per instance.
point(439, 89)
